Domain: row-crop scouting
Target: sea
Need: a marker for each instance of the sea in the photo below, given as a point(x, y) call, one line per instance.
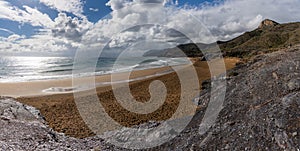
point(28, 68)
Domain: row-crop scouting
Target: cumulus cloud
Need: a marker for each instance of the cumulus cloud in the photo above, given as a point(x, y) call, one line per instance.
point(223, 20)
point(37, 43)
point(117, 4)
point(147, 33)
point(70, 28)
point(70, 6)
point(233, 17)
point(45, 40)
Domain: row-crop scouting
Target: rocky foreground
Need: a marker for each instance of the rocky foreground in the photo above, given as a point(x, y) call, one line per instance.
point(261, 111)
point(261, 108)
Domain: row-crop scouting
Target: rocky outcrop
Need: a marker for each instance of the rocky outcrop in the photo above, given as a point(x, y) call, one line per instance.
point(261, 111)
point(23, 128)
point(267, 23)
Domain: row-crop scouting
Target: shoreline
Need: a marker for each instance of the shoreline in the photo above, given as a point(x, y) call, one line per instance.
point(64, 86)
point(62, 115)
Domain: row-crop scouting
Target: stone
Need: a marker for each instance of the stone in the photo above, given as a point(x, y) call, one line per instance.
point(294, 84)
point(267, 23)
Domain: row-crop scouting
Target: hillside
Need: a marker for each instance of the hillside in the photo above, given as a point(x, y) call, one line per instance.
point(269, 36)
point(263, 39)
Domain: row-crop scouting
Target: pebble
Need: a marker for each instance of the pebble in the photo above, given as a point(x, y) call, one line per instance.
point(294, 134)
point(294, 84)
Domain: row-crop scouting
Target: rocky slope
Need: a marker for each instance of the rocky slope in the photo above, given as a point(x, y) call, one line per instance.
point(261, 108)
point(261, 111)
point(270, 36)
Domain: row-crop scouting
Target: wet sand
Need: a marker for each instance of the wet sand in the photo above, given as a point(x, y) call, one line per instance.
point(36, 88)
point(61, 113)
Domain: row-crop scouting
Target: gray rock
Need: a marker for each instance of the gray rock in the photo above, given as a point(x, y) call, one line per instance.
point(23, 128)
point(294, 84)
point(261, 108)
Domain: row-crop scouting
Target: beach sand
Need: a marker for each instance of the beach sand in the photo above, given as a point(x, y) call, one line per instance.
point(35, 88)
point(61, 113)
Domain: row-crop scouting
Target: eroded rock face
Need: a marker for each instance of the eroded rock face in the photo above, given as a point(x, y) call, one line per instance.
point(267, 23)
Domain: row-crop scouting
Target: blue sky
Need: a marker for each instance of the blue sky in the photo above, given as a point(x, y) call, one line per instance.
point(62, 26)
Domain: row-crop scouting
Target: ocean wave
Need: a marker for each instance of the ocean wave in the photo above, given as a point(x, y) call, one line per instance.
point(32, 68)
point(58, 90)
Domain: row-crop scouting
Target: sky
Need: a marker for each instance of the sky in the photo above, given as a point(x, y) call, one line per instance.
point(60, 27)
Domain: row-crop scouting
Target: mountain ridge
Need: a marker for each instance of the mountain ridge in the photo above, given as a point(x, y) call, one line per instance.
point(268, 37)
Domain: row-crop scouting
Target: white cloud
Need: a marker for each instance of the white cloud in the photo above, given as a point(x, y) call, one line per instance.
point(59, 35)
point(117, 4)
point(29, 15)
point(70, 6)
point(44, 40)
point(15, 37)
point(70, 28)
point(94, 9)
point(37, 18)
point(40, 43)
point(37, 43)
point(233, 17)
point(6, 30)
point(224, 20)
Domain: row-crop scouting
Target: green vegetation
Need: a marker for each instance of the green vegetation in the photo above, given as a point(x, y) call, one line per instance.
point(265, 39)
point(262, 40)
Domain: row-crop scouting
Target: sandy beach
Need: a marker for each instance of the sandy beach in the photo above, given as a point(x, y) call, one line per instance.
point(38, 88)
point(62, 115)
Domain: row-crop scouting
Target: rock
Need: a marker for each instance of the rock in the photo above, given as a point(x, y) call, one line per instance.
point(267, 23)
point(279, 123)
point(282, 140)
point(23, 128)
point(275, 75)
point(227, 147)
point(261, 107)
point(294, 84)
point(12, 110)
